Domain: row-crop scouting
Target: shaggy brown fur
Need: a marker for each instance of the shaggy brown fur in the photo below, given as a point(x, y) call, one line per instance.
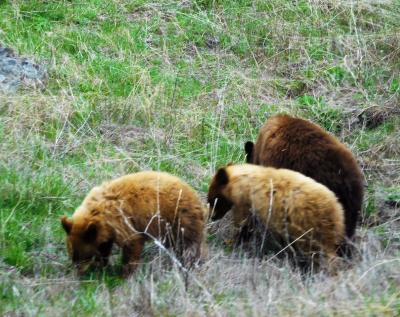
point(299, 145)
point(290, 205)
point(130, 210)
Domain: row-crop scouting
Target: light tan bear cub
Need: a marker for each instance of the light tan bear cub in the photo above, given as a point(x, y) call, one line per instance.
point(131, 210)
point(295, 207)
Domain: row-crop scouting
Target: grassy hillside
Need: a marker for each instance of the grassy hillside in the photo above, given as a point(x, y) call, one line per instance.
point(179, 86)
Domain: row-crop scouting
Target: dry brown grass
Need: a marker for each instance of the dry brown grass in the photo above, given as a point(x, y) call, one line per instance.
point(180, 86)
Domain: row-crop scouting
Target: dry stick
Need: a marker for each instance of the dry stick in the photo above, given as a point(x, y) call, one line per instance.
point(58, 282)
point(158, 214)
point(12, 212)
point(375, 266)
point(163, 248)
point(3, 225)
point(290, 244)
point(220, 106)
point(271, 200)
point(287, 235)
point(177, 204)
point(213, 208)
point(175, 213)
point(171, 105)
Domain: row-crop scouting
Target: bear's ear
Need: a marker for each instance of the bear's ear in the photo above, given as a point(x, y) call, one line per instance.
point(90, 233)
point(66, 223)
point(248, 148)
point(221, 177)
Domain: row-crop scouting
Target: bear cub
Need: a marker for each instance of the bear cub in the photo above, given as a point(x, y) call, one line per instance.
point(294, 208)
point(131, 210)
point(299, 145)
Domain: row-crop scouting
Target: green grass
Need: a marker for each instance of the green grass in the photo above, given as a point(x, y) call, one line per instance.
point(180, 86)
point(393, 194)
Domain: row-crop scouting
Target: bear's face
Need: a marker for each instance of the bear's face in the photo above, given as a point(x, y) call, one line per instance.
point(219, 204)
point(88, 242)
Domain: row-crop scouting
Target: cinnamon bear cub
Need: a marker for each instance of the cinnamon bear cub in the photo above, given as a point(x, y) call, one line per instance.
point(294, 208)
point(131, 210)
point(299, 145)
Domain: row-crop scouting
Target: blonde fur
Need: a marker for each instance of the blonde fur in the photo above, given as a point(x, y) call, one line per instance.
point(137, 207)
point(286, 203)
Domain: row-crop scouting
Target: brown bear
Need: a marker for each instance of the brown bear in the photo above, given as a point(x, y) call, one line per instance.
point(297, 210)
point(131, 210)
point(299, 145)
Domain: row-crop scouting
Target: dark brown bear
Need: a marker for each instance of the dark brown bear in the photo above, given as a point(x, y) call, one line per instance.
point(299, 145)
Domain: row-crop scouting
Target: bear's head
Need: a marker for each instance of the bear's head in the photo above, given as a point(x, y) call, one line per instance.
point(89, 242)
point(219, 204)
point(249, 149)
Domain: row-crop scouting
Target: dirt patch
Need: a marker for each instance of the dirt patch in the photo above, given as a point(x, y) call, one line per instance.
point(125, 135)
point(375, 115)
point(386, 208)
point(223, 230)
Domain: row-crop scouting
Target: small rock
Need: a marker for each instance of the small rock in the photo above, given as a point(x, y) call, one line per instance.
point(6, 52)
point(211, 42)
point(30, 71)
point(16, 71)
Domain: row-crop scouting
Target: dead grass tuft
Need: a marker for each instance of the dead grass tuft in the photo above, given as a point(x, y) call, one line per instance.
point(375, 115)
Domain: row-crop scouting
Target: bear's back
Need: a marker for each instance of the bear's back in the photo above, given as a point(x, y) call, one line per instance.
point(296, 144)
point(149, 191)
point(287, 200)
point(282, 136)
point(257, 181)
point(141, 195)
point(151, 180)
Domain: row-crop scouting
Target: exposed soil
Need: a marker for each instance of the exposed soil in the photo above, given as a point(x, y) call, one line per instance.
point(127, 134)
point(374, 116)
